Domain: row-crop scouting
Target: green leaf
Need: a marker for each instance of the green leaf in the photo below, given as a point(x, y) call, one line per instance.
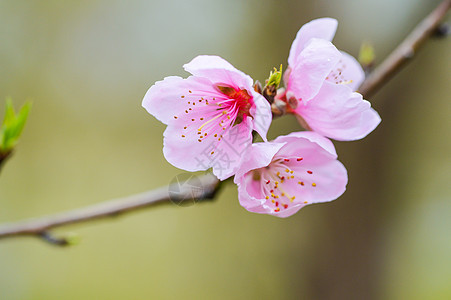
point(274, 78)
point(12, 125)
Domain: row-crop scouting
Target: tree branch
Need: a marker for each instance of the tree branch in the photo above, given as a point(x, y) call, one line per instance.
point(405, 51)
point(206, 188)
point(209, 184)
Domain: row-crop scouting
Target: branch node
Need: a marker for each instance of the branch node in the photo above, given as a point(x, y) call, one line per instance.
point(53, 240)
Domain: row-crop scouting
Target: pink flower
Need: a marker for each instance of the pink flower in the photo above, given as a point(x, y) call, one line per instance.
point(323, 80)
point(281, 177)
point(210, 115)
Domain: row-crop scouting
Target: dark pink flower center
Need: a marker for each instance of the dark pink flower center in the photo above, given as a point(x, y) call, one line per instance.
point(242, 103)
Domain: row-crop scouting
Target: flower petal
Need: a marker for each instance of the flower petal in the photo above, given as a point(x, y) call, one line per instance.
point(311, 68)
point(168, 98)
point(314, 137)
point(192, 152)
point(348, 72)
point(261, 114)
point(218, 70)
point(338, 113)
point(259, 155)
point(302, 172)
point(323, 28)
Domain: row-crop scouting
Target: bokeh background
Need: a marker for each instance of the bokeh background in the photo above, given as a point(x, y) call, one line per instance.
point(87, 64)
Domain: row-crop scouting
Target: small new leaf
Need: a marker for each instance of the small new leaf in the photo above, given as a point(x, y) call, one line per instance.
point(12, 126)
point(366, 55)
point(274, 78)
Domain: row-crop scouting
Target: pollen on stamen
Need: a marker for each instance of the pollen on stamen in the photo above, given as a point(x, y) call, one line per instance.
point(292, 198)
point(267, 197)
point(185, 127)
point(199, 140)
point(182, 96)
point(189, 102)
point(285, 206)
point(305, 202)
point(192, 120)
point(310, 172)
point(216, 135)
point(287, 170)
point(291, 172)
point(190, 108)
point(286, 159)
point(189, 91)
point(313, 184)
point(186, 111)
point(201, 119)
point(183, 135)
point(299, 159)
point(175, 117)
point(212, 152)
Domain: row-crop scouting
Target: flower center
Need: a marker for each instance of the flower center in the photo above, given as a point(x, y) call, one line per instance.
point(276, 188)
point(242, 103)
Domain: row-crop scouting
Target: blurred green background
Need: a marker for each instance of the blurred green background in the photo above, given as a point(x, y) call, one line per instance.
point(87, 65)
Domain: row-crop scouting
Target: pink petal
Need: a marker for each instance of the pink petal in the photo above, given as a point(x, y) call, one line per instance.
point(164, 99)
point(326, 182)
point(338, 113)
point(323, 28)
point(262, 115)
point(314, 137)
point(311, 68)
point(223, 155)
point(348, 72)
point(259, 155)
point(307, 173)
point(250, 195)
point(218, 70)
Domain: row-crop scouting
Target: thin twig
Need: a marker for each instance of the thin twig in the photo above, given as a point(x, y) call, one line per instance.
point(208, 183)
point(405, 51)
point(205, 189)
